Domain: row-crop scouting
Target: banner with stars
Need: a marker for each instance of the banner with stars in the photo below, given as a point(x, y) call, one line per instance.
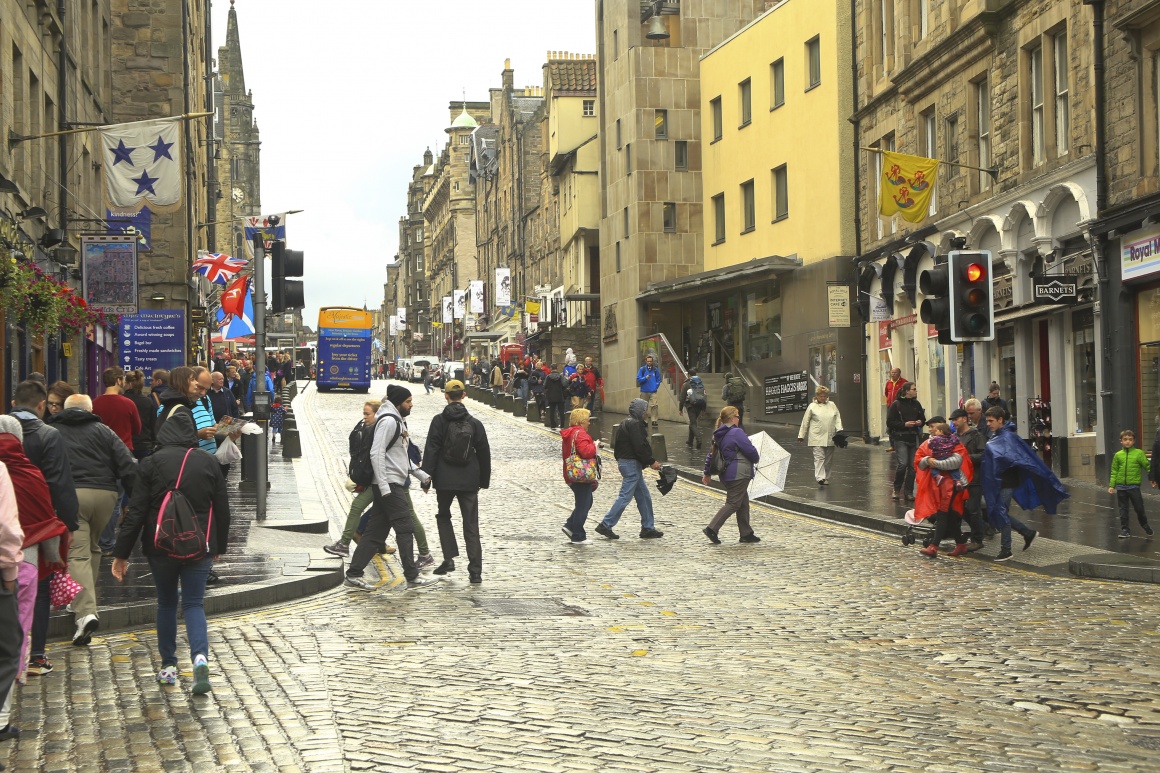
point(142, 164)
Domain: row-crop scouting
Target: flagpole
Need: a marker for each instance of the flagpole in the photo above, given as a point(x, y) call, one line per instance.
point(261, 396)
point(16, 139)
point(993, 171)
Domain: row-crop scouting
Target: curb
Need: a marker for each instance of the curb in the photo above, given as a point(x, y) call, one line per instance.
point(1114, 566)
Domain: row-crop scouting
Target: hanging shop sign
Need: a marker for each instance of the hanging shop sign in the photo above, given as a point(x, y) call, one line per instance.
point(838, 297)
point(1140, 253)
point(1055, 289)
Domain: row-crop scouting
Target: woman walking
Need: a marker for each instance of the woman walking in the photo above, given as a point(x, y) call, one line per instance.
point(175, 457)
point(359, 445)
point(905, 420)
point(738, 457)
point(146, 409)
point(576, 440)
point(819, 425)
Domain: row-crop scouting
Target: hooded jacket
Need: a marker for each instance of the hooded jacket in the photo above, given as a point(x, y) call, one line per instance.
point(474, 475)
point(902, 410)
point(584, 445)
point(170, 399)
point(737, 452)
point(1036, 484)
point(98, 457)
point(554, 387)
point(201, 482)
point(46, 449)
point(392, 465)
point(632, 440)
point(928, 500)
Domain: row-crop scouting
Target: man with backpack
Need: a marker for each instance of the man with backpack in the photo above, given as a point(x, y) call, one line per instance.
point(458, 459)
point(693, 400)
point(391, 464)
point(733, 393)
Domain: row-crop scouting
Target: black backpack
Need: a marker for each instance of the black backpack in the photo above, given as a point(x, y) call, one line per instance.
point(360, 470)
point(459, 442)
point(181, 533)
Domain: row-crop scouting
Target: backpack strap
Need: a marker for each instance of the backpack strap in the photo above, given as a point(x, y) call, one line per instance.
point(182, 470)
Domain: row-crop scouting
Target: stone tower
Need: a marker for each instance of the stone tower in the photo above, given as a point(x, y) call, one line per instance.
point(238, 157)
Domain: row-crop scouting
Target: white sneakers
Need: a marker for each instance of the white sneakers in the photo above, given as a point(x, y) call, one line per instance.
point(85, 627)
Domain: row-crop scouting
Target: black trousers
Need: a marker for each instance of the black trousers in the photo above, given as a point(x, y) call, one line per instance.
point(469, 509)
point(948, 524)
point(974, 513)
point(390, 512)
point(1132, 496)
point(556, 414)
point(11, 641)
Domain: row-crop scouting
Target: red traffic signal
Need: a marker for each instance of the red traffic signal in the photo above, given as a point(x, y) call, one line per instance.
point(972, 314)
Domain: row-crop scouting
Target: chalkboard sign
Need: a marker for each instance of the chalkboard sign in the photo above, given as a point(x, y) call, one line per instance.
point(152, 340)
point(787, 393)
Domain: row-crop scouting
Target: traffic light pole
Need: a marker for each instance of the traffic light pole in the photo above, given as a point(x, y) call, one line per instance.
point(261, 396)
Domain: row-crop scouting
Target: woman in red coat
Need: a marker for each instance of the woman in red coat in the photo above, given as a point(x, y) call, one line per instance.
point(945, 505)
point(577, 440)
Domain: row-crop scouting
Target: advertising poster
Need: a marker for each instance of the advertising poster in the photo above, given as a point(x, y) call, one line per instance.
point(392, 326)
point(787, 393)
point(503, 287)
point(401, 313)
point(839, 303)
point(109, 264)
point(475, 288)
point(459, 300)
point(446, 309)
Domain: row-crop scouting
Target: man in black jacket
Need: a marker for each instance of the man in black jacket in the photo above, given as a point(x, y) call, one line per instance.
point(458, 459)
point(99, 459)
point(554, 394)
point(45, 449)
point(633, 453)
point(975, 444)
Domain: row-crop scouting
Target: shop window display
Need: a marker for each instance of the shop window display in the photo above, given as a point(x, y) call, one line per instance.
point(1083, 331)
point(763, 323)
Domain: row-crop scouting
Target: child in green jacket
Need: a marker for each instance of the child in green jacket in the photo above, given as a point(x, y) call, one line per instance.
point(1129, 467)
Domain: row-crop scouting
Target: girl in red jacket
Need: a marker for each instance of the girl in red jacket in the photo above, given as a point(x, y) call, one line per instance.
point(576, 440)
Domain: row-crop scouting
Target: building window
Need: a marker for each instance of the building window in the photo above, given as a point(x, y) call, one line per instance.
point(777, 84)
point(619, 145)
point(983, 116)
point(628, 158)
point(661, 121)
point(1062, 118)
point(923, 18)
point(464, 139)
point(681, 155)
point(930, 145)
point(618, 257)
point(626, 222)
point(885, 30)
point(1035, 77)
point(589, 108)
point(615, 45)
point(748, 215)
point(1083, 331)
point(669, 216)
point(952, 146)
point(715, 111)
point(814, 60)
point(719, 218)
point(745, 98)
point(780, 193)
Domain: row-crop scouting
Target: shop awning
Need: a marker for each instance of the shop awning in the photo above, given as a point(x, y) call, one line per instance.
point(484, 335)
point(719, 279)
point(1035, 310)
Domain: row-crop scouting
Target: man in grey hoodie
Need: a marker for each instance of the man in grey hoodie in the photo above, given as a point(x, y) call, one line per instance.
point(392, 465)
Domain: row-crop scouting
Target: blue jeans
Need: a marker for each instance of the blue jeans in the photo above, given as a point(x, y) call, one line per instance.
point(633, 487)
point(1016, 524)
point(583, 495)
point(109, 535)
point(524, 391)
point(167, 573)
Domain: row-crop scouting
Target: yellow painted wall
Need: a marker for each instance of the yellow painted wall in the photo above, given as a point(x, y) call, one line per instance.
point(809, 133)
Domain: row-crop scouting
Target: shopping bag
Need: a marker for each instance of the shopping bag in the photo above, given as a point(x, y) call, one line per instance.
point(228, 452)
point(62, 589)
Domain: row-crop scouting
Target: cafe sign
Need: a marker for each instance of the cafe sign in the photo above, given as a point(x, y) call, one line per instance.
point(1140, 253)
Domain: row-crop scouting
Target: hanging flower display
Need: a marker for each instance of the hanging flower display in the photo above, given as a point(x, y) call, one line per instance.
point(41, 302)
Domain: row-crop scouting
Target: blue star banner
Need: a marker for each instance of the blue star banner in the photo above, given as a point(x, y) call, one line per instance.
point(142, 164)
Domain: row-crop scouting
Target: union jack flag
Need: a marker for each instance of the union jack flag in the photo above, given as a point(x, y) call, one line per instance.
point(218, 267)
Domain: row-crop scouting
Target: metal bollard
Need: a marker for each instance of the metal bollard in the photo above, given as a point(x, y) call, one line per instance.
point(615, 429)
point(660, 451)
point(521, 407)
point(594, 427)
point(291, 444)
point(507, 403)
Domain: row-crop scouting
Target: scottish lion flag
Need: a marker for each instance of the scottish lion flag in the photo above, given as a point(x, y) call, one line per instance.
point(142, 163)
point(906, 185)
point(262, 225)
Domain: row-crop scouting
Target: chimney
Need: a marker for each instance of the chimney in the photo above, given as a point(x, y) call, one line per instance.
point(508, 74)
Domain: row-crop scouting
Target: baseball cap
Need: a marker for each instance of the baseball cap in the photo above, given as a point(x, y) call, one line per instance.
point(935, 420)
point(454, 385)
point(959, 413)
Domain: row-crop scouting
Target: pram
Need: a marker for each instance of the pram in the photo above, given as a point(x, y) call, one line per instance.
point(916, 530)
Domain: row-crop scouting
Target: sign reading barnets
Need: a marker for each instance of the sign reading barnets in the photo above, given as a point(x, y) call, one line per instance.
point(787, 393)
point(109, 266)
point(1056, 289)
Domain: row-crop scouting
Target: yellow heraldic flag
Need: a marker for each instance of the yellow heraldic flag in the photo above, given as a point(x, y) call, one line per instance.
point(906, 185)
point(532, 307)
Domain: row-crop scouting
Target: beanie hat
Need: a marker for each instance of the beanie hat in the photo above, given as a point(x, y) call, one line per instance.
point(10, 425)
point(397, 395)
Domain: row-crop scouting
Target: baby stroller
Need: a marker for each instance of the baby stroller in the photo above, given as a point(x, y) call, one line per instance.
point(916, 530)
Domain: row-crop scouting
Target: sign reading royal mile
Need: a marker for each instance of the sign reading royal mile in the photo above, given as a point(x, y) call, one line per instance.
point(1140, 253)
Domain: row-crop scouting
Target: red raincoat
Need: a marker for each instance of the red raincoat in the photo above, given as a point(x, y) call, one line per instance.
point(927, 497)
point(33, 500)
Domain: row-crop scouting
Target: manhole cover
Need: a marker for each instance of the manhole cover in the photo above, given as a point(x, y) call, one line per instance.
point(528, 607)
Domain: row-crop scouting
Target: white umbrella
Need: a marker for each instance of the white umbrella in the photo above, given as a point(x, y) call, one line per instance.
point(769, 472)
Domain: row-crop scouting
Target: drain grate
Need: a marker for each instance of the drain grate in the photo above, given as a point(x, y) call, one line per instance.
point(529, 607)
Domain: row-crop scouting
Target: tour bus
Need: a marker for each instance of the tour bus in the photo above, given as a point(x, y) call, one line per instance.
point(344, 349)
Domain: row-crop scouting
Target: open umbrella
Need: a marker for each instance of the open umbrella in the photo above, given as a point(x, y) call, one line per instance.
point(769, 472)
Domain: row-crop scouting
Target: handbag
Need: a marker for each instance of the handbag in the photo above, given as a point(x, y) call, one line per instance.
point(62, 589)
point(580, 470)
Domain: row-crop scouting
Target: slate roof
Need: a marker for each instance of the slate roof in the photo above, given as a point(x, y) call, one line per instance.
point(573, 77)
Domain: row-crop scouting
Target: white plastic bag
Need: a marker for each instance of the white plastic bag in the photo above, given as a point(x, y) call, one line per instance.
point(228, 452)
point(250, 428)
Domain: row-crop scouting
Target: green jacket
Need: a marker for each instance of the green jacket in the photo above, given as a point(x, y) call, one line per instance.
point(1128, 467)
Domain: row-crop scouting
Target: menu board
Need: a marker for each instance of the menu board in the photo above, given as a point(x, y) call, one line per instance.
point(787, 393)
point(152, 340)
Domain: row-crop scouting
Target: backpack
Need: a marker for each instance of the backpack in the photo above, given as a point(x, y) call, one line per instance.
point(179, 533)
point(696, 396)
point(459, 442)
point(717, 464)
point(735, 391)
point(360, 470)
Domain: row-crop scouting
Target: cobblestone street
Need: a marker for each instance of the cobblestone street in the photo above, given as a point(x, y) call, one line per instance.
point(823, 648)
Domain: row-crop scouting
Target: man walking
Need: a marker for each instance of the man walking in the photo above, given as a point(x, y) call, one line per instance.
point(733, 393)
point(633, 453)
point(595, 384)
point(648, 379)
point(496, 379)
point(392, 465)
point(458, 459)
point(99, 461)
point(119, 414)
point(554, 394)
point(694, 401)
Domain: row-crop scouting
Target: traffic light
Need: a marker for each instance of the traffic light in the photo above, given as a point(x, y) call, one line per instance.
point(936, 305)
point(972, 311)
point(286, 293)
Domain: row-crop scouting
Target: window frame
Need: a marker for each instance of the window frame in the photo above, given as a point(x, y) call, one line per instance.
point(1062, 96)
point(776, 83)
point(660, 124)
point(588, 108)
point(681, 147)
point(780, 190)
point(814, 62)
point(719, 218)
point(669, 217)
point(745, 103)
point(983, 129)
point(748, 207)
point(718, 122)
point(627, 159)
point(1036, 106)
point(619, 139)
point(625, 216)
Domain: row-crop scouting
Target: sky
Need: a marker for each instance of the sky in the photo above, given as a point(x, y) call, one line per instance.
point(349, 95)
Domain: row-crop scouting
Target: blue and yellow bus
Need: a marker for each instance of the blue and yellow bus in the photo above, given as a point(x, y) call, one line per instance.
point(344, 349)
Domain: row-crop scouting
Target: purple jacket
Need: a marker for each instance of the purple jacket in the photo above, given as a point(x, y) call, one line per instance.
point(737, 451)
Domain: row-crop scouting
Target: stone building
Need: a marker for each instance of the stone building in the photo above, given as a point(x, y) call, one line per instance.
point(640, 170)
point(56, 72)
point(409, 276)
point(161, 51)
